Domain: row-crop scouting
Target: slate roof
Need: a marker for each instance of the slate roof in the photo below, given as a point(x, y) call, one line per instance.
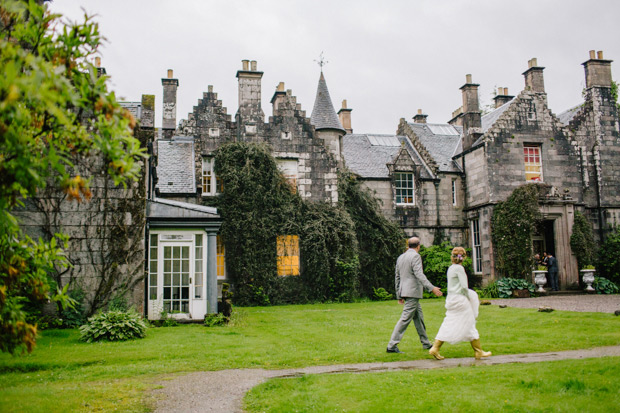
point(323, 114)
point(370, 160)
point(441, 146)
point(566, 116)
point(175, 165)
point(169, 209)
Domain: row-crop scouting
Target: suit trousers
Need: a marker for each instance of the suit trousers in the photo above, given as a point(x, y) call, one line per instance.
point(412, 310)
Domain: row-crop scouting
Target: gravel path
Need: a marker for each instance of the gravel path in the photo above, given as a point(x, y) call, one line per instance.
point(223, 391)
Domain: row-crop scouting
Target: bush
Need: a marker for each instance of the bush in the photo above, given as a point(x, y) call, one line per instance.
point(582, 241)
point(512, 225)
point(436, 260)
point(490, 291)
point(505, 286)
point(604, 286)
point(381, 295)
point(113, 326)
point(218, 319)
point(608, 265)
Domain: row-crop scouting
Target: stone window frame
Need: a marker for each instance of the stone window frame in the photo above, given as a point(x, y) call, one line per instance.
point(454, 195)
point(532, 160)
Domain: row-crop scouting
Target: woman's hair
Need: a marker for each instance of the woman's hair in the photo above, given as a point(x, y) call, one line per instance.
point(458, 255)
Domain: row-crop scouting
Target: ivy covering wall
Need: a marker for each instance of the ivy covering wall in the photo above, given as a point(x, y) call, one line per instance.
point(346, 249)
point(512, 225)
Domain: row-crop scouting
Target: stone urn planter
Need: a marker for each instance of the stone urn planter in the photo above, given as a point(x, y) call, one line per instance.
point(587, 276)
point(540, 279)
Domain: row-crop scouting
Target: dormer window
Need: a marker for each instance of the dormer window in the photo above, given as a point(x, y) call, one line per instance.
point(404, 188)
point(533, 163)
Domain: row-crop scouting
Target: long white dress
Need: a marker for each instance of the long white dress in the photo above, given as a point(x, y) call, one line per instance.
point(461, 309)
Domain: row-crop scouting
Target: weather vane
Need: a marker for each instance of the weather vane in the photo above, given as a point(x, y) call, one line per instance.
point(321, 62)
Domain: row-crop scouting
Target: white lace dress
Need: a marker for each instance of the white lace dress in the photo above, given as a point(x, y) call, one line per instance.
point(461, 309)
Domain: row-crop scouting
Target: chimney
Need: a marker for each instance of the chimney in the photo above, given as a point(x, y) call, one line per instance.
point(147, 118)
point(344, 114)
point(278, 97)
point(598, 70)
point(472, 123)
point(457, 117)
point(534, 79)
point(169, 109)
point(100, 70)
point(250, 110)
point(420, 117)
point(502, 97)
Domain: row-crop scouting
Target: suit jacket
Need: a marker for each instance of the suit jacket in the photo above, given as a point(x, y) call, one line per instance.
point(552, 264)
point(410, 278)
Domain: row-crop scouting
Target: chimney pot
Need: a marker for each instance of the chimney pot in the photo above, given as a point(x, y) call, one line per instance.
point(419, 111)
point(97, 62)
point(592, 54)
point(506, 91)
point(344, 104)
point(246, 65)
point(600, 55)
point(280, 87)
point(253, 65)
point(210, 88)
point(170, 74)
point(467, 78)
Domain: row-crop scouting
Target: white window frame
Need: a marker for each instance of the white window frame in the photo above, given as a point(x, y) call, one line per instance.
point(409, 186)
point(476, 246)
point(208, 178)
point(530, 154)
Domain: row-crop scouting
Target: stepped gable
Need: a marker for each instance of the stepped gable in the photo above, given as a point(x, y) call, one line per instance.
point(323, 114)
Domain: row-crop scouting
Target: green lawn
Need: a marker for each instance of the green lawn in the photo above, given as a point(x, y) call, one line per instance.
point(65, 374)
point(559, 386)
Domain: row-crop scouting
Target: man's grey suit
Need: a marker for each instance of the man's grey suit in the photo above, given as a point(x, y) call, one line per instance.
point(410, 282)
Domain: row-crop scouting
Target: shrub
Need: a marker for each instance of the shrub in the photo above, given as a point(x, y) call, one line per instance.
point(604, 286)
point(212, 320)
point(608, 264)
point(582, 241)
point(491, 290)
point(113, 326)
point(512, 225)
point(505, 286)
point(437, 259)
point(381, 295)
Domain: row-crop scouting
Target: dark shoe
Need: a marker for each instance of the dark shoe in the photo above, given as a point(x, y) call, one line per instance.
point(427, 347)
point(393, 350)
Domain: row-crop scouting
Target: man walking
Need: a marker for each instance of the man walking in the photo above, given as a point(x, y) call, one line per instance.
point(410, 282)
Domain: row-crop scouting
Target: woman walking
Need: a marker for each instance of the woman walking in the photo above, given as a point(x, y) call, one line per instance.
point(461, 311)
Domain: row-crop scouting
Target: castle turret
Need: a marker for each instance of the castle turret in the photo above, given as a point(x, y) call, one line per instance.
point(325, 120)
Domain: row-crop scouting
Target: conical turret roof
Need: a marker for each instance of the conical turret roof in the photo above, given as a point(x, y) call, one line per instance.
point(323, 114)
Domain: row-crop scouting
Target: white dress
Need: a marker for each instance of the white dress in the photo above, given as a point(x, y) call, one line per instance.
point(461, 309)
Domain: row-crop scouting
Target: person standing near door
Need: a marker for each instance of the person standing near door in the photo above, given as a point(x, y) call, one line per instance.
point(552, 269)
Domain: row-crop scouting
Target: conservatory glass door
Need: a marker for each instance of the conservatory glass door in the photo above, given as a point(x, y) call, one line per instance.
point(176, 282)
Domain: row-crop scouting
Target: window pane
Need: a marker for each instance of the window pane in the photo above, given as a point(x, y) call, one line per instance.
point(153, 293)
point(176, 279)
point(167, 279)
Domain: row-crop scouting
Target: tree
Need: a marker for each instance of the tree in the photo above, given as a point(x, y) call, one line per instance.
point(582, 241)
point(55, 114)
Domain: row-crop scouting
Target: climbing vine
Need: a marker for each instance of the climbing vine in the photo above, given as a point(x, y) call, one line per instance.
point(582, 241)
point(512, 225)
point(380, 240)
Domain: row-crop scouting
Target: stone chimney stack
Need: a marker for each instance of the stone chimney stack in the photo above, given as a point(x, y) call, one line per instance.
point(344, 114)
point(457, 117)
point(472, 122)
point(278, 97)
point(534, 79)
point(502, 97)
point(250, 111)
point(598, 70)
point(420, 117)
point(169, 109)
point(100, 70)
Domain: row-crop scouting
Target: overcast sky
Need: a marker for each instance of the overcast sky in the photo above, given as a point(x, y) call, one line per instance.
point(387, 58)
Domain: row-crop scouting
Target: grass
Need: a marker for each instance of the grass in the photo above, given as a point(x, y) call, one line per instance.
point(560, 386)
point(64, 374)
